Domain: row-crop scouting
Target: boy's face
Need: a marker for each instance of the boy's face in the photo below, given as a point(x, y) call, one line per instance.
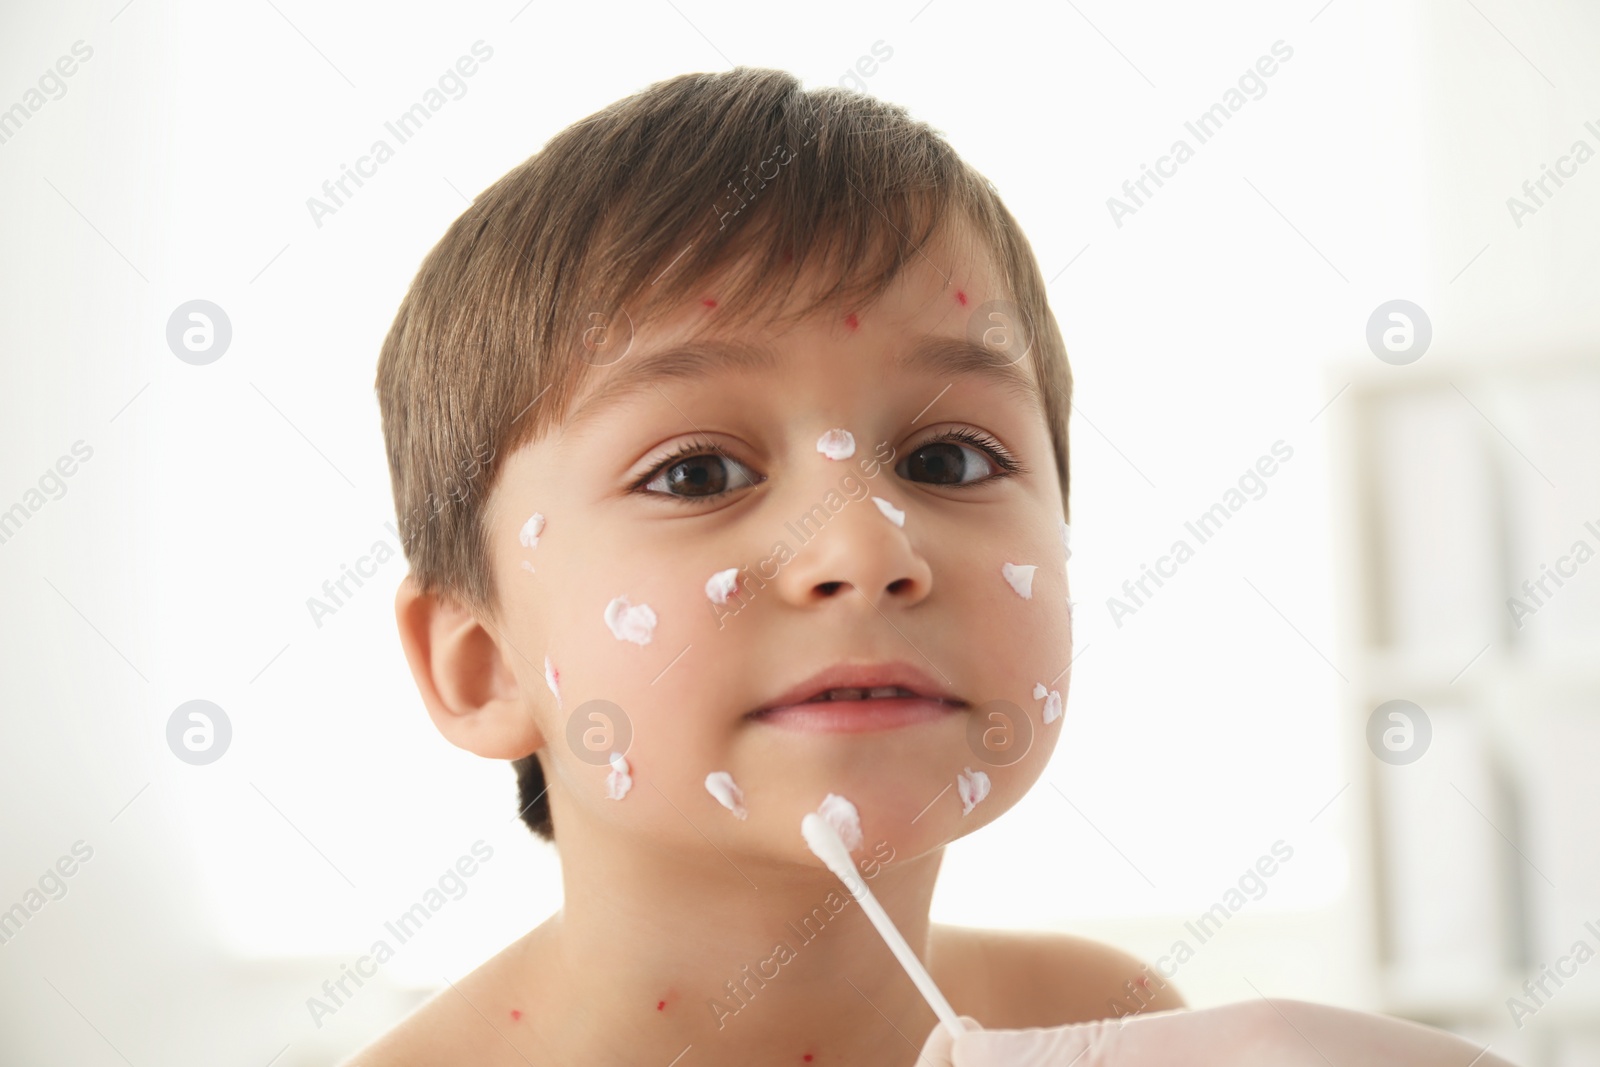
point(825, 576)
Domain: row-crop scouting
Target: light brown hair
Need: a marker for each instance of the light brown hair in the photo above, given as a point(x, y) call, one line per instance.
point(622, 216)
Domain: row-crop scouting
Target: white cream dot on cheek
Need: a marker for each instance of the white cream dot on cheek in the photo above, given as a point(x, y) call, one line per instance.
point(843, 817)
point(721, 585)
point(973, 787)
point(1052, 707)
point(531, 531)
point(837, 444)
point(552, 678)
point(890, 512)
point(1020, 577)
point(618, 782)
point(629, 621)
point(721, 785)
point(1039, 690)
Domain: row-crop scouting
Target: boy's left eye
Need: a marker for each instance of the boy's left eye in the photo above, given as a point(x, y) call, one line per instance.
point(959, 457)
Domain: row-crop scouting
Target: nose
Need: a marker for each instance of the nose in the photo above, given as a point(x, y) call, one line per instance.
point(854, 548)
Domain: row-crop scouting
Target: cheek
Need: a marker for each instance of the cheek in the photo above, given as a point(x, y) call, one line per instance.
point(1006, 638)
point(637, 639)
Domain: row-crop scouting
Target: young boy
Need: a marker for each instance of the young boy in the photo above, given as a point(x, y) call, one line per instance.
point(635, 404)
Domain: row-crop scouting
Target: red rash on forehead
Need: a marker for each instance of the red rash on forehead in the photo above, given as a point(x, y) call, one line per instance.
point(806, 1057)
point(851, 321)
point(708, 302)
point(961, 297)
point(515, 1014)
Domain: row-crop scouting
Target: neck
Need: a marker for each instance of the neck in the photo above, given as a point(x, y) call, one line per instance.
point(747, 960)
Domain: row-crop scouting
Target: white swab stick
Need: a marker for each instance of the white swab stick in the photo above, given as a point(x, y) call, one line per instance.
point(824, 842)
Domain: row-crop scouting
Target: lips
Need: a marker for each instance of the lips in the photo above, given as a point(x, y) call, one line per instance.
point(861, 683)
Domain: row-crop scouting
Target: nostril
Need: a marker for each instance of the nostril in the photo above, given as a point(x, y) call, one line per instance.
point(829, 588)
point(899, 585)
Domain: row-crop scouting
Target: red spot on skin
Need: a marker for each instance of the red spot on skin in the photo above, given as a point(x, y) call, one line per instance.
point(961, 297)
point(851, 321)
point(806, 1057)
point(515, 1014)
point(1143, 981)
point(710, 303)
point(661, 1005)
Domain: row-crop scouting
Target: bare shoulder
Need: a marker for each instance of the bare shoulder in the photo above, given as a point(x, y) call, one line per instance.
point(453, 1027)
point(1017, 979)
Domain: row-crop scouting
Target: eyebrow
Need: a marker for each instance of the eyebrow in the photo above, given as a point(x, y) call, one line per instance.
point(937, 356)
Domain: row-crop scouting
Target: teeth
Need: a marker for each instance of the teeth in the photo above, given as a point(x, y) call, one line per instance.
point(878, 693)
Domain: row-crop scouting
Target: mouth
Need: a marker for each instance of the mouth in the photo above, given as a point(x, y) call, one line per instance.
point(860, 698)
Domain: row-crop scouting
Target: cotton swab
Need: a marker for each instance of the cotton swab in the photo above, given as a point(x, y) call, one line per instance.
point(824, 842)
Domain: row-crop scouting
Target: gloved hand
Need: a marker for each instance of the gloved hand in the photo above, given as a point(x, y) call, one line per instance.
point(1259, 1033)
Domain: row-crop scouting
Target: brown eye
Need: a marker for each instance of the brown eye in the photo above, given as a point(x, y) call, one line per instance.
point(697, 476)
point(948, 463)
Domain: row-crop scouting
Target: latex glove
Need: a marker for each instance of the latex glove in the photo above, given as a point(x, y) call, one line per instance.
point(1259, 1033)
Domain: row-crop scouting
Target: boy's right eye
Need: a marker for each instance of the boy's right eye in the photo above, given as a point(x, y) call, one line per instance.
point(697, 474)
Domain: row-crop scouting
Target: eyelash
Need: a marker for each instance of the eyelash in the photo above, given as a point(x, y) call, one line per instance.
point(1009, 465)
point(1003, 459)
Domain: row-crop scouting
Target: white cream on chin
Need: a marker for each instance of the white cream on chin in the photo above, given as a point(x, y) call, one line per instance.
point(1020, 577)
point(618, 782)
point(629, 621)
point(890, 512)
point(843, 817)
point(837, 444)
point(721, 785)
point(973, 787)
point(552, 678)
point(721, 585)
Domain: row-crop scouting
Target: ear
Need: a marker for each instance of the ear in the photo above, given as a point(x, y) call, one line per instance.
point(465, 678)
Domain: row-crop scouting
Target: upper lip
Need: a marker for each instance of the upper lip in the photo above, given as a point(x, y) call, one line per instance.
point(863, 676)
